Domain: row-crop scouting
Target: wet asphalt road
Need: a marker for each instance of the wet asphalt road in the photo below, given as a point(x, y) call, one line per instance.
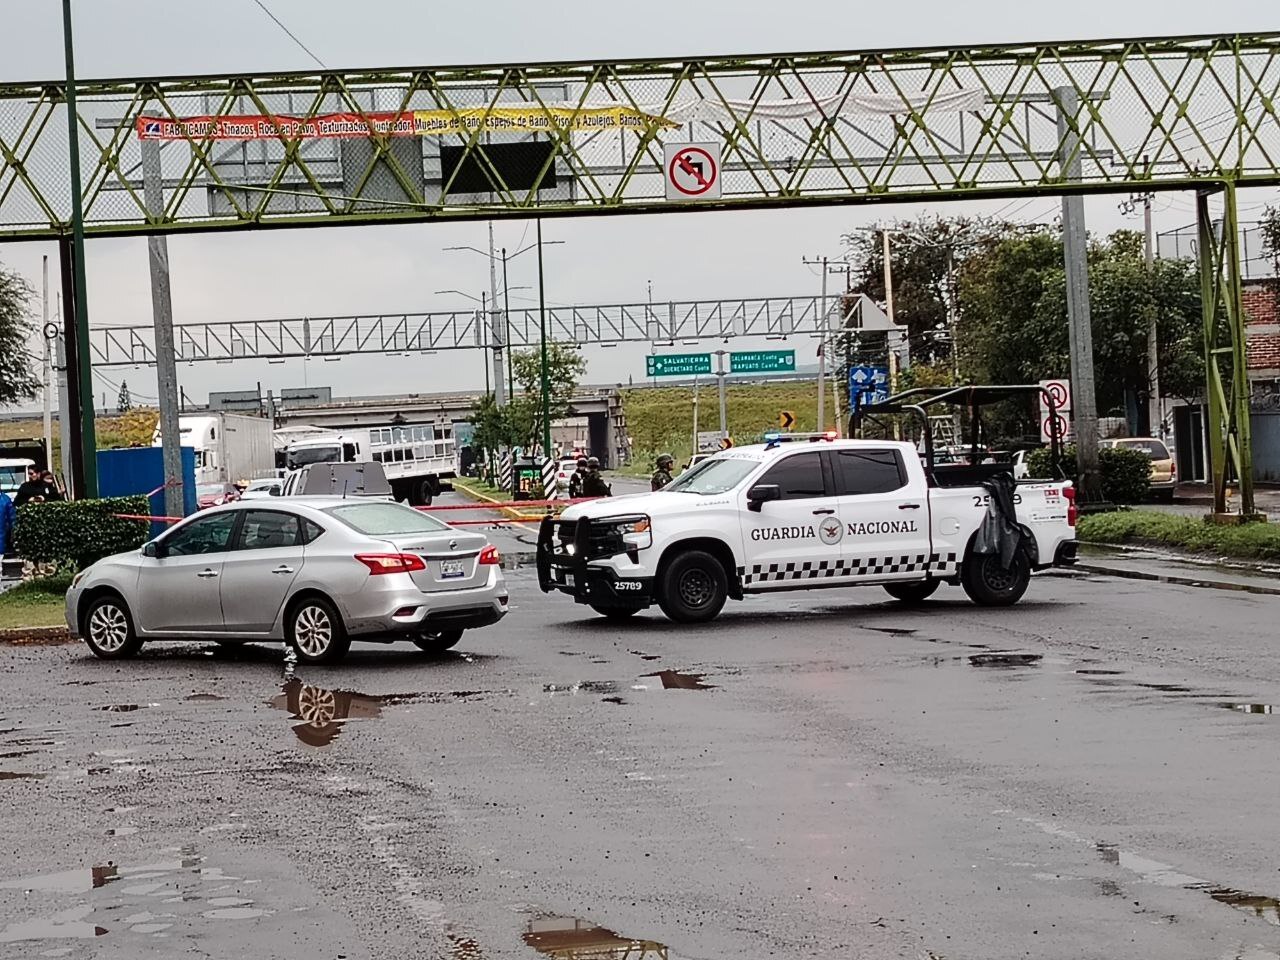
point(816, 775)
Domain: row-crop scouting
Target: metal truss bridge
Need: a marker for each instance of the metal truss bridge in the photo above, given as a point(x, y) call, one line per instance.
point(520, 140)
point(605, 325)
point(166, 155)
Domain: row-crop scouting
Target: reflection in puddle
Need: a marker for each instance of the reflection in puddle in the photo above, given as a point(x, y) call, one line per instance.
point(143, 899)
point(1005, 659)
point(569, 938)
point(676, 680)
point(323, 712)
point(1162, 874)
point(1250, 707)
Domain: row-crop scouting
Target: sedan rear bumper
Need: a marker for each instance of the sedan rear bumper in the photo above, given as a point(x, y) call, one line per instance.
point(393, 604)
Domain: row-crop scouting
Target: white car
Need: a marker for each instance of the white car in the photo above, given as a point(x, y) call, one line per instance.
point(564, 470)
point(261, 489)
point(791, 515)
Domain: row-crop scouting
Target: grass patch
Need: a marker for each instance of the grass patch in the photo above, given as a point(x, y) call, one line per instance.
point(660, 420)
point(37, 603)
point(1254, 541)
point(472, 485)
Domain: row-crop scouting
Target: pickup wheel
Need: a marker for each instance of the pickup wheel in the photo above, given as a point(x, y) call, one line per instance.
point(912, 593)
point(989, 584)
point(617, 614)
point(693, 588)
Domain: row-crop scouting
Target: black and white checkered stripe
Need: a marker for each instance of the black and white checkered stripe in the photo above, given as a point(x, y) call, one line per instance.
point(942, 564)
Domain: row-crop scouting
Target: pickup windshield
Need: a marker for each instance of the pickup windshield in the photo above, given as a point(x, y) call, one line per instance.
point(712, 477)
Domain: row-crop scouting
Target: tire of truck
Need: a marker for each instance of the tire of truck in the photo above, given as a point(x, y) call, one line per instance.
point(399, 491)
point(912, 593)
point(988, 584)
point(693, 587)
point(424, 491)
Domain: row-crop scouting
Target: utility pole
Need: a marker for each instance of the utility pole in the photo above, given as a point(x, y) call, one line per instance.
point(87, 478)
point(542, 330)
point(162, 320)
point(46, 372)
point(695, 414)
point(1084, 401)
point(506, 324)
point(888, 311)
point(1154, 405)
point(495, 327)
point(822, 345)
point(64, 403)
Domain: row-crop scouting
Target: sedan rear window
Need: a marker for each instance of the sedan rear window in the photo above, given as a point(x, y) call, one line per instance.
point(1154, 449)
point(385, 519)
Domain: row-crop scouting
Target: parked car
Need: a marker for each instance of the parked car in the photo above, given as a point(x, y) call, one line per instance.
point(338, 479)
point(316, 572)
point(564, 470)
point(216, 494)
point(1164, 470)
point(261, 489)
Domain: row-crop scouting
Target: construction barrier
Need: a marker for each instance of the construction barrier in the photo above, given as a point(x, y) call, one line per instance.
point(549, 479)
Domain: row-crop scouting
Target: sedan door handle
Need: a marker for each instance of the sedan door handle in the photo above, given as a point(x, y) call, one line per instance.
point(823, 513)
point(207, 574)
point(908, 506)
point(283, 569)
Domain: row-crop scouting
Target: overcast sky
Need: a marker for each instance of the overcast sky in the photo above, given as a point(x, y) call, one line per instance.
point(603, 260)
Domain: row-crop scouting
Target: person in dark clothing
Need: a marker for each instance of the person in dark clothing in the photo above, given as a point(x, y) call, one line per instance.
point(576, 478)
point(662, 476)
point(51, 485)
point(593, 484)
point(36, 489)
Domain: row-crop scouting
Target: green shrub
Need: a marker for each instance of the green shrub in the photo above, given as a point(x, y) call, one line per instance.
point(1126, 474)
point(80, 532)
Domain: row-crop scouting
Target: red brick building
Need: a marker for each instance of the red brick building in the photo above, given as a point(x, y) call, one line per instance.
point(1262, 313)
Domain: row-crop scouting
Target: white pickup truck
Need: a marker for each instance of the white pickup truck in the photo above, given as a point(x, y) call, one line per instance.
point(800, 513)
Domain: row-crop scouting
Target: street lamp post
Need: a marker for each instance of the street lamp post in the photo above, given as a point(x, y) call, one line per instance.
point(542, 332)
point(88, 473)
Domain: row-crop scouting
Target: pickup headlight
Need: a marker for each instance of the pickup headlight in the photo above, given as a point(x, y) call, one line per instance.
point(635, 532)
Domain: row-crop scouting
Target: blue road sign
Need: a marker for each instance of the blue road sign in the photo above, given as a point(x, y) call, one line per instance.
point(868, 384)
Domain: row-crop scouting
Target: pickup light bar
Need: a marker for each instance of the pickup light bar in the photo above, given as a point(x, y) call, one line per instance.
point(775, 437)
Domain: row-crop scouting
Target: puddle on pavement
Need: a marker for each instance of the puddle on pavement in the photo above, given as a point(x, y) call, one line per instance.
point(1250, 707)
point(1164, 875)
point(324, 712)
point(642, 655)
point(677, 680)
point(20, 775)
point(570, 937)
point(586, 686)
point(614, 700)
point(893, 631)
point(126, 707)
point(121, 831)
point(1005, 659)
point(176, 890)
point(1100, 673)
point(203, 697)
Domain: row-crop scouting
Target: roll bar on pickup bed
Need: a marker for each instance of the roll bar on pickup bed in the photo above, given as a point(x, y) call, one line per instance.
point(920, 400)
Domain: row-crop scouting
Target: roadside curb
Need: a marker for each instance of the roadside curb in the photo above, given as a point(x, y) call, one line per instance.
point(35, 636)
point(1262, 568)
point(510, 512)
point(1176, 579)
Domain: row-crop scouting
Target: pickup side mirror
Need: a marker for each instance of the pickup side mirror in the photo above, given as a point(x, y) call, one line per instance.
point(154, 549)
point(761, 494)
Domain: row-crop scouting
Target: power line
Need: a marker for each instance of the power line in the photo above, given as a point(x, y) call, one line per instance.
point(292, 36)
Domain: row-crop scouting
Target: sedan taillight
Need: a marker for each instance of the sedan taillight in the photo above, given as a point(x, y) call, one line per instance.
point(490, 555)
point(379, 563)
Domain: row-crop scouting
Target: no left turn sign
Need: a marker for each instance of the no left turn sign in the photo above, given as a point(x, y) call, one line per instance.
point(692, 171)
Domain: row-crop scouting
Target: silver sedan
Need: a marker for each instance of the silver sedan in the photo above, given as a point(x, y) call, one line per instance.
point(315, 572)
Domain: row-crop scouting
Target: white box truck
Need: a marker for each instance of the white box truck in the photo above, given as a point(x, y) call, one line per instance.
point(229, 447)
point(416, 457)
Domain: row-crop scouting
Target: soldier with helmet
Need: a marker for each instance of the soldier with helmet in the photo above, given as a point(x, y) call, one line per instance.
point(593, 484)
point(576, 479)
point(662, 476)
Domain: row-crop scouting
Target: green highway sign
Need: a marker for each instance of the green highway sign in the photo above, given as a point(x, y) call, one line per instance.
point(763, 361)
point(677, 364)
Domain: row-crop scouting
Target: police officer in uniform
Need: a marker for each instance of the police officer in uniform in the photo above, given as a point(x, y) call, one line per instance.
point(593, 484)
point(576, 478)
point(662, 476)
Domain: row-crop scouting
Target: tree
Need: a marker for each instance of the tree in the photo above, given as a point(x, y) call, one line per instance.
point(1270, 227)
point(494, 430)
point(124, 403)
point(18, 381)
point(926, 256)
point(1013, 316)
point(565, 367)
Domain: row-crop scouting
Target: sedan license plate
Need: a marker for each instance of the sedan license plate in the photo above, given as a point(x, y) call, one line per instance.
point(450, 569)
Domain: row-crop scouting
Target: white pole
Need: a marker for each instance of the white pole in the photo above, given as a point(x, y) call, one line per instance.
point(47, 373)
point(888, 309)
point(695, 416)
point(822, 354)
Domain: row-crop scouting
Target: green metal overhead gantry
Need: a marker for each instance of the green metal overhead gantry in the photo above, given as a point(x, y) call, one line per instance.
point(332, 147)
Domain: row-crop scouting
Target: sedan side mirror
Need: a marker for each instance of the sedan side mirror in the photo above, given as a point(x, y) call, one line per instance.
point(761, 494)
point(154, 549)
